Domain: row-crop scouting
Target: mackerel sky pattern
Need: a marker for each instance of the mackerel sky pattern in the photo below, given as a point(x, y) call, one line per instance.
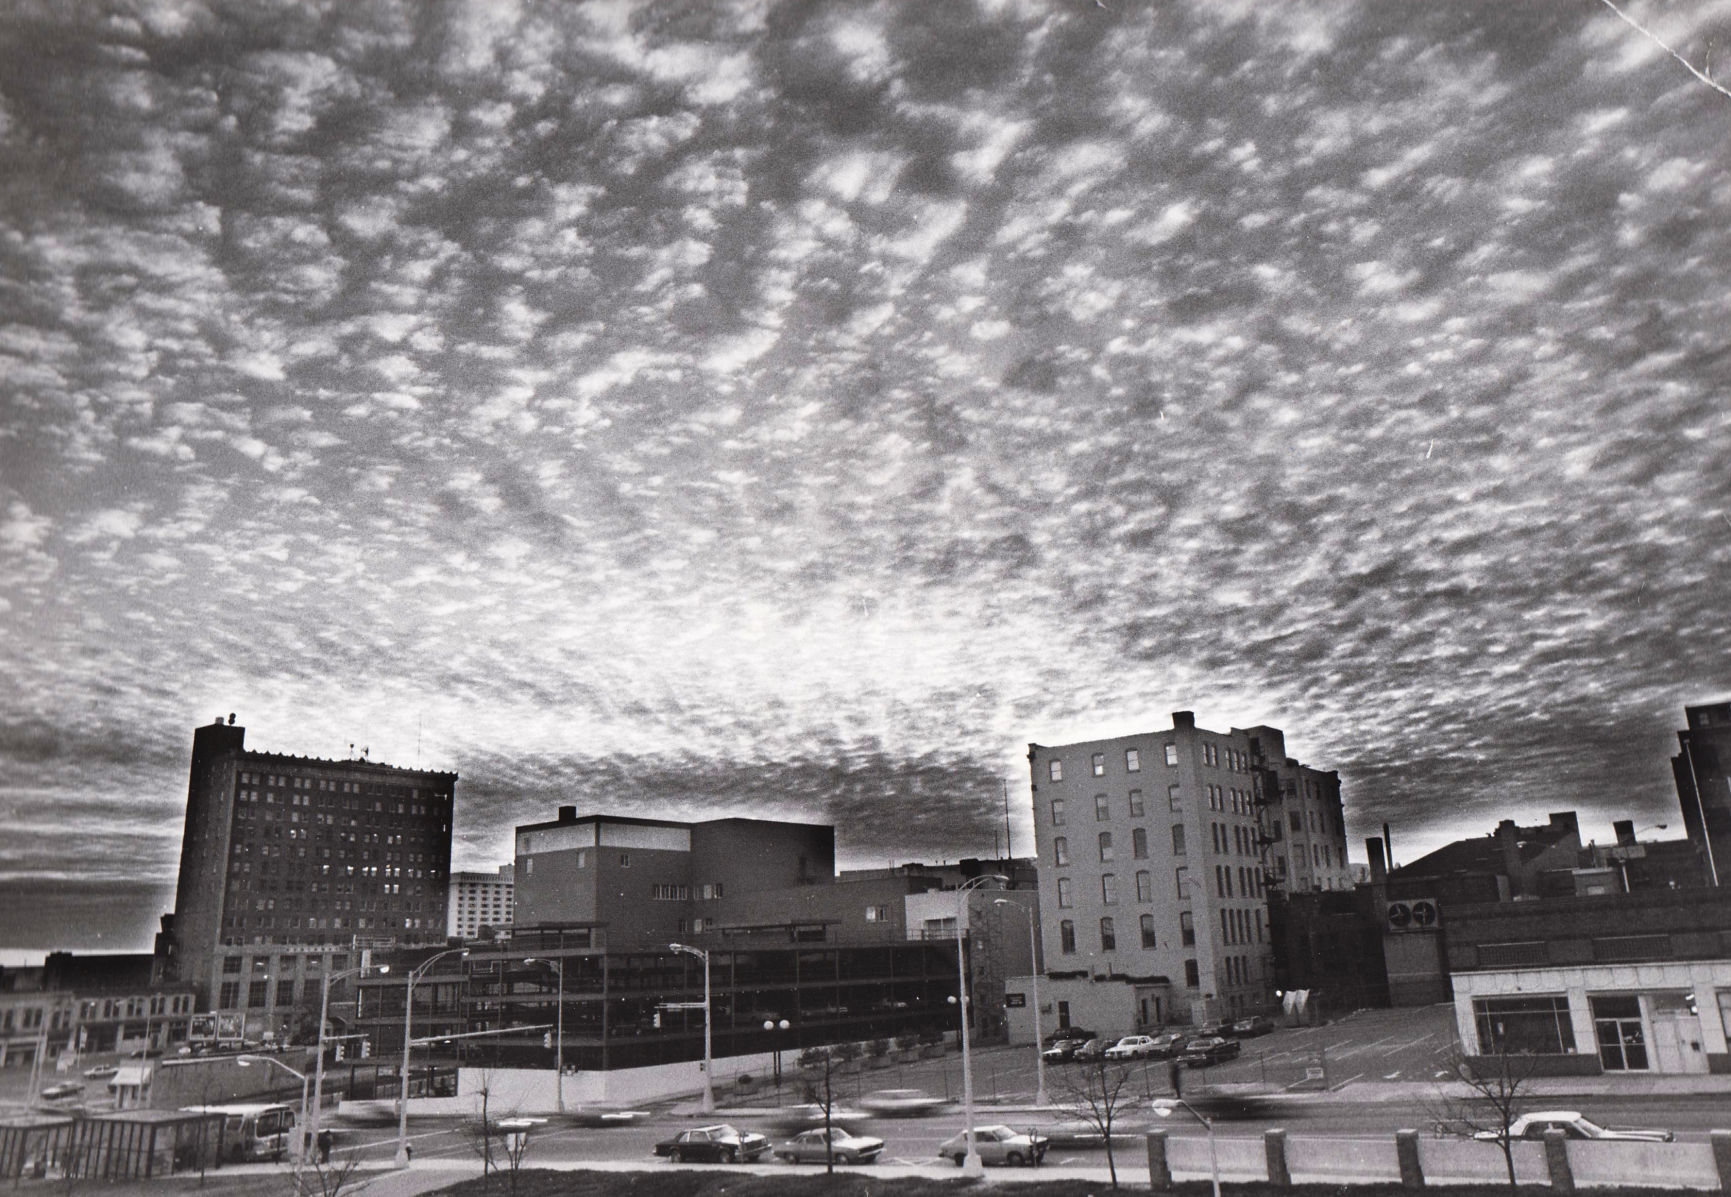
point(793, 409)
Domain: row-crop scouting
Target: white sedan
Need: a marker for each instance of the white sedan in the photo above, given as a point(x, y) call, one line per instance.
point(1573, 1126)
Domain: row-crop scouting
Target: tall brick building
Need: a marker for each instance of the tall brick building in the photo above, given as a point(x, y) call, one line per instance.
point(290, 863)
point(1156, 853)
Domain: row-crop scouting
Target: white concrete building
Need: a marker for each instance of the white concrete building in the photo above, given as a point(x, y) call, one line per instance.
point(1669, 1016)
point(480, 900)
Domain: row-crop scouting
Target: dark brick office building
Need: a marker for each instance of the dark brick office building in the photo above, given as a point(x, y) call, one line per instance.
point(1703, 774)
point(290, 864)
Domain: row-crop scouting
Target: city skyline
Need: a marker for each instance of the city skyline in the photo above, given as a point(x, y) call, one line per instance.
point(794, 410)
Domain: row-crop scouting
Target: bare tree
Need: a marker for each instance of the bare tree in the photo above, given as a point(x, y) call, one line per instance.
point(1098, 1091)
point(1496, 1087)
point(482, 1130)
point(335, 1176)
point(811, 1060)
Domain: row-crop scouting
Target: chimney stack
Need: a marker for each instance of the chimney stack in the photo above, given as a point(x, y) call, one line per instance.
point(1183, 719)
point(567, 814)
point(1378, 868)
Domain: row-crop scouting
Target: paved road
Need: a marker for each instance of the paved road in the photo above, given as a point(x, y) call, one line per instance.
point(915, 1141)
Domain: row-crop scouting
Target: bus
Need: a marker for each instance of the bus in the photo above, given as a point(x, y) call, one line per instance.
point(253, 1132)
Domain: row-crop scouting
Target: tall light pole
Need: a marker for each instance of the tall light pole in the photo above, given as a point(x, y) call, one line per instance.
point(300, 1154)
point(708, 1057)
point(1164, 1106)
point(1034, 967)
point(972, 1165)
point(559, 1033)
point(402, 1157)
point(317, 1118)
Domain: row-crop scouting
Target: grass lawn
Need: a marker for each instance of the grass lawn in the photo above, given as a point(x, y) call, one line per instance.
point(216, 1184)
point(721, 1183)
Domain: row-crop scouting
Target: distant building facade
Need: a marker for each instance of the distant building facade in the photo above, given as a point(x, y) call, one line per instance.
point(1156, 855)
point(653, 880)
point(479, 900)
point(1702, 770)
point(288, 864)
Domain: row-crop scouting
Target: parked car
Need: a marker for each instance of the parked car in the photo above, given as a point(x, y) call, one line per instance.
point(101, 1072)
point(1168, 1045)
point(719, 1143)
point(1061, 1051)
point(1218, 1029)
point(1076, 1033)
point(62, 1090)
point(807, 1147)
point(1200, 1053)
point(1570, 1122)
point(1093, 1049)
point(1131, 1047)
point(996, 1145)
point(899, 1103)
point(1250, 1028)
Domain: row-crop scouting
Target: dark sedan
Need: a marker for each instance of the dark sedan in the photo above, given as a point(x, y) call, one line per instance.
point(713, 1144)
point(1200, 1053)
point(1249, 1028)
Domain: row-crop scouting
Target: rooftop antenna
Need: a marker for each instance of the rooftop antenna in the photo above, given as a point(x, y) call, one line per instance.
point(1008, 851)
point(351, 750)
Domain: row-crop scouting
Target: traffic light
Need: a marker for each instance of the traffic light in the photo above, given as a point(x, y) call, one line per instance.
point(366, 1048)
point(658, 1020)
point(339, 1053)
point(546, 1038)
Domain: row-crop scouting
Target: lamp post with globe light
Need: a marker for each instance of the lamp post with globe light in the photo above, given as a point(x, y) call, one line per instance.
point(972, 1165)
point(415, 974)
point(771, 1024)
point(1040, 1098)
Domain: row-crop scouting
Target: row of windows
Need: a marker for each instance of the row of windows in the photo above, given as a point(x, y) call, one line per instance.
point(1212, 755)
point(1132, 762)
point(1109, 888)
point(284, 781)
point(1108, 934)
point(1103, 806)
point(1237, 927)
point(670, 893)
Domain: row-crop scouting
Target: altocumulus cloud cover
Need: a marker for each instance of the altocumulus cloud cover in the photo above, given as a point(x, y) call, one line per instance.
point(795, 408)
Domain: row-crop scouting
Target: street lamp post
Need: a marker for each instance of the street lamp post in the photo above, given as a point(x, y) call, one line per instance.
point(972, 1165)
point(559, 1031)
point(317, 1117)
point(770, 1024)
point(1034, 966)
point(708, 1057)
point(300, 1127)
point(1164, 1107)
point(415, 974)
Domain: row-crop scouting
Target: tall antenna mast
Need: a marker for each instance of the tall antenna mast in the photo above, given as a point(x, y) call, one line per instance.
point(1008, 851)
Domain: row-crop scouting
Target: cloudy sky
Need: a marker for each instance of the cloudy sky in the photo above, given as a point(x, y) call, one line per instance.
point(794, 409)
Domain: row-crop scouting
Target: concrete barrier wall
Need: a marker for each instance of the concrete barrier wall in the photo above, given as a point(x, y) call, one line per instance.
point(1325, 1161)
point(532, 1090)
point(1240, 1158)
point(1633, 1165)
point(1469, 1161)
